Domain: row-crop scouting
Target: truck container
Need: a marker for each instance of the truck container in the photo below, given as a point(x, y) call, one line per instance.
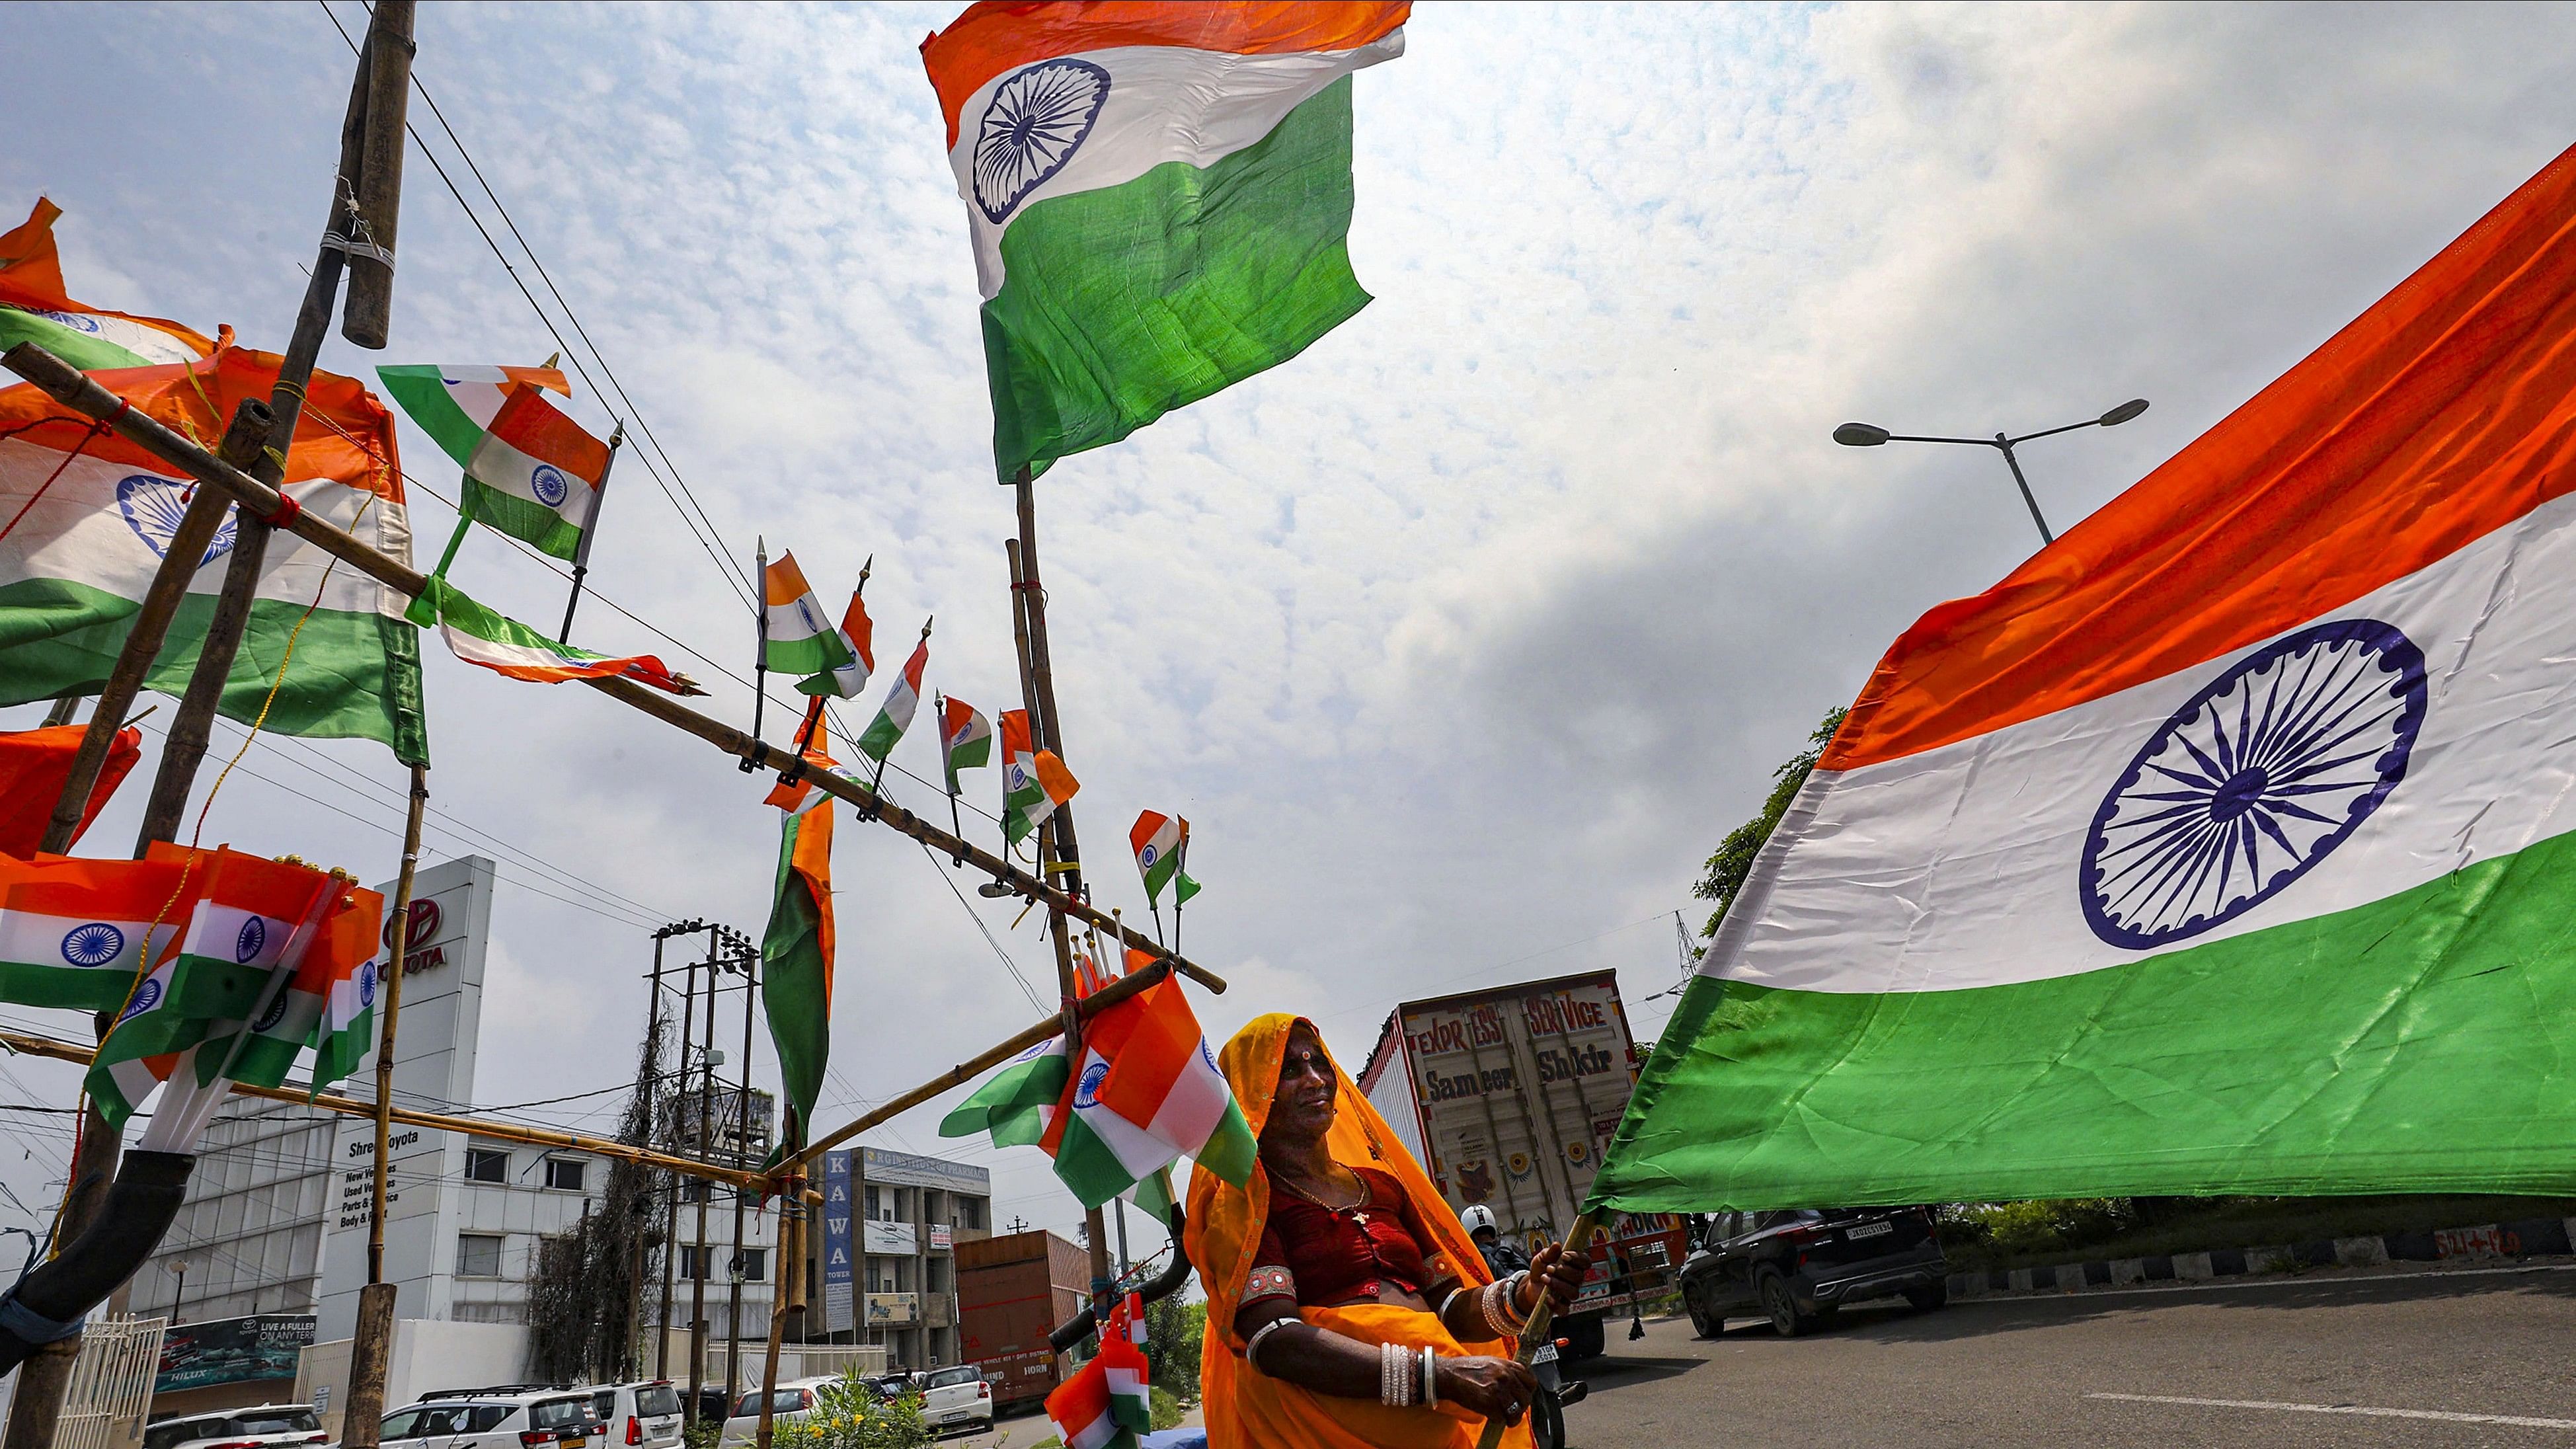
point(1508, 1097)
point(1012, 1291)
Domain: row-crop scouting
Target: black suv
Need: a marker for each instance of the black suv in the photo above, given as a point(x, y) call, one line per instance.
point(1796, 1266)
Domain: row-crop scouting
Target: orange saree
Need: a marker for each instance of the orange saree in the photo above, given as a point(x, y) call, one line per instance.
point(1248, 1409)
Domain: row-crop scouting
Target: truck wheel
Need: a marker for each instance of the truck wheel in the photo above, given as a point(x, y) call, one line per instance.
point(1929, 1296)
point(1772, 1287)
point(1547, 1423)
point(1703, 1322)
point(1584, 1338)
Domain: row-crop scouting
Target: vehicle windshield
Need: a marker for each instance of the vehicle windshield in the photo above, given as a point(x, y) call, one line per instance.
point(277, 1421)
point(558, 1413)
point(783, 1401)
point(163, 1436)
point(422, 1422)
point(948, 1377)
point(654, 1400)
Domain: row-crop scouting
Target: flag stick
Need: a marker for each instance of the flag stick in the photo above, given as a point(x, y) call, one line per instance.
point(760, 657)
point(1578, 1244)
point(948, 772)
point(1180, 871)
point(1156, 908)
point(589, 529)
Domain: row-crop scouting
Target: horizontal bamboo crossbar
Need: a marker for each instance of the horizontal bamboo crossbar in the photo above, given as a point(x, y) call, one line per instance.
point(74, 389)
point(66, 1051)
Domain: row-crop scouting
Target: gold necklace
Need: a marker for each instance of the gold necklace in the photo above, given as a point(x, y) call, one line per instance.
point(1353, 1207)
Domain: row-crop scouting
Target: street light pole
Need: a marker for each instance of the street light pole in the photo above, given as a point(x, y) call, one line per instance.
point(1867, 435)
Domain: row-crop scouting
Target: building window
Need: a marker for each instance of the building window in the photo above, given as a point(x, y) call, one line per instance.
point(697, 1189)
point(970, 1212)
point(755, 1265)
point(689, 1265)
point(478, 1256)
point(484, 1164)
point(565, 1173)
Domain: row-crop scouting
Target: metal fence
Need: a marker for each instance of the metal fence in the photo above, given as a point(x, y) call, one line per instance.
point(111, 1384)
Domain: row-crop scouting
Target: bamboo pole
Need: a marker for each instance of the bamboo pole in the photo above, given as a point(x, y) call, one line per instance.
point(1578, 1246)
point(742, 1145)
point(371, 1347)
point(55, 1049)
point(791, 1234)
point(70, 387)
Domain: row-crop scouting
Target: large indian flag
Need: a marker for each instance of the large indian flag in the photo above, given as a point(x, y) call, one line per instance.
point(2225, 846)
point(1159, 197)
point(33, 308)
point(85, 518)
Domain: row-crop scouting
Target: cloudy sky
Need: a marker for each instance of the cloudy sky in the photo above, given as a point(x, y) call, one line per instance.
point(1461, 639)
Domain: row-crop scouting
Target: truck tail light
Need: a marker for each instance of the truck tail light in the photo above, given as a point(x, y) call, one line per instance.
point(634, 1430)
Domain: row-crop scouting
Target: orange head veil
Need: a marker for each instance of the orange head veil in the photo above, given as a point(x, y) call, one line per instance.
point(1225, 1221)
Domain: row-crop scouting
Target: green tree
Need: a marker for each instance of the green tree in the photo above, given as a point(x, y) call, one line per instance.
point(1734, 859)
point(1173, 1331)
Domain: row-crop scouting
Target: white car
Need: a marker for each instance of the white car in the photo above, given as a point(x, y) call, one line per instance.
point(510, 1417)
point(791, 1402)
point(640, 1415)
point(956, 1398)
point(257, 1428)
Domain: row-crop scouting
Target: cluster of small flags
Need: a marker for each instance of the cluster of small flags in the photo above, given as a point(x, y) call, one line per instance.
point(1109, 1402)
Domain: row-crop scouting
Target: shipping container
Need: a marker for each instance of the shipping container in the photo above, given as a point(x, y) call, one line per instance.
point(1508, 1097)
point(1012, 1291)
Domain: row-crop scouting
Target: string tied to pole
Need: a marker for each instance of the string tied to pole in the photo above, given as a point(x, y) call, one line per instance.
point(88, 436)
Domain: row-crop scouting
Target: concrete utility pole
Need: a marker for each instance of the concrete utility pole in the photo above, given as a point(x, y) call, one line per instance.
point(671, 1210)
point(706, 1149)
point(750, 962)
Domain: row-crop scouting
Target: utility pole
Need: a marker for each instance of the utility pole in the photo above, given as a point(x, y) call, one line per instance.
point(749, 959)
point(706, 1147)
point(671, 1210)
point(371, 132)
point(653, 1044)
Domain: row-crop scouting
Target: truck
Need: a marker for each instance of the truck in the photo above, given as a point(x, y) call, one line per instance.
point(1012, 1291)
point(1508, 1096)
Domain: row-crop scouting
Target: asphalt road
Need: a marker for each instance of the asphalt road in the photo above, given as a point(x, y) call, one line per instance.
point(2437, 1359)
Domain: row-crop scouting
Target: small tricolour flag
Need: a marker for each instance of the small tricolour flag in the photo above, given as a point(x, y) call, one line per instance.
point(1016, 1104)
point(71, 931)
point(796, 638)
point(1108, 1403)
point(895, 715)
point(1162, 843)
point(308, 1010)
point(965, 739)
point(858, 635)
point(479, 635)
point(530, 471)
point(1034, 781)
point(1148, 1093)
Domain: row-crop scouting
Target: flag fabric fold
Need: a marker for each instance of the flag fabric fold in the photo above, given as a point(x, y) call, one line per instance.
point(1034, 781)
point(530, 471)
point(497, 642)
point(34, 766)
point(34, 308)
point(2224, 847)
point(796, 953)
point(858, 637)
point(797, 640)
point(72, 931)
point(86, 516)
point(902, 699)
point(1159, 198)
point(965, 739)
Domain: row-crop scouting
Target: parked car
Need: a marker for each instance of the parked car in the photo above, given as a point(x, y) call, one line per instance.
point(1796, 1267)
point(512, 1416)
point(642, 1415)
point(791, 1402)
point(956, 1398)
point(239, 1428)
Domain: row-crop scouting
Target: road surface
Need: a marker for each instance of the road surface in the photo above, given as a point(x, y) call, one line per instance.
point(2485, 1357)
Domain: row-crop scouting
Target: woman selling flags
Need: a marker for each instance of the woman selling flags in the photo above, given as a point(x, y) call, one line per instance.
point(1346, 1308)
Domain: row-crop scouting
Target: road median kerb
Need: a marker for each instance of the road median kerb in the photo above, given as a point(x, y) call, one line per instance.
point(2484, 1243)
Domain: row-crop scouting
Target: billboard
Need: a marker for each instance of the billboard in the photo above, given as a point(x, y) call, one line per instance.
point(839, 1260)
point(232, 1351)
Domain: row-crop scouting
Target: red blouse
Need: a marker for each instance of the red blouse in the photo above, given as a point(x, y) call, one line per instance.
point(1309, 1255)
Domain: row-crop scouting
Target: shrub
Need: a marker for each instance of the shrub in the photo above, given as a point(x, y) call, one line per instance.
point(849, 1415)
point(1167, 1409)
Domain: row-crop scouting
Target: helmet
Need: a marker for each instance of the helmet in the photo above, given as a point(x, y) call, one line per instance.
point(1478, 1219)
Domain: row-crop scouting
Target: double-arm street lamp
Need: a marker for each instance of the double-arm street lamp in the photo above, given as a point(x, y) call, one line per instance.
point(1865, 435)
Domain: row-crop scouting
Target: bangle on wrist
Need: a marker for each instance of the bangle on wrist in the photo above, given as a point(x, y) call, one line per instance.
point(1430, 1379)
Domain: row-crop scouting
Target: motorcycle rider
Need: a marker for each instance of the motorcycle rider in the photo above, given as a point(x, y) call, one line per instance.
point(1547, 1418)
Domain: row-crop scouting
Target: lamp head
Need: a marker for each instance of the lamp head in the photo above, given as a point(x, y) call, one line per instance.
point(994, 890)
point(1860, 435)
point(2124, 412)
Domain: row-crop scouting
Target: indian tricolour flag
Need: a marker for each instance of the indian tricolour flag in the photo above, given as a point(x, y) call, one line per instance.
point(902, 701)
point(314, 1007)
point(1161, 843)
point(72, 931)
point(1108, 1403)
point(1034, 781)
point(796, 639)
point(33, 308)
point(858, 636)
point(965, 739)
point(1148, 1093)
point(530, 471)
point(2224, 847)
point(1159, 197)
point(85, 519)
point(480, 635)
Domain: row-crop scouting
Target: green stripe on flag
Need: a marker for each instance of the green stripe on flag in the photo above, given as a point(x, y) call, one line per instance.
point(2414, 1044)
point(82, 350)
point(1121, 304)
point(422, 392)
point(1013, 1103)
point(354, 675)
point(812, 654)
point(525, 519)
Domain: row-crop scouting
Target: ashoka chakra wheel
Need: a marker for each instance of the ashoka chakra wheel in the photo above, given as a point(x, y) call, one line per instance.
point(1038, 118)
point(2257, 778)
